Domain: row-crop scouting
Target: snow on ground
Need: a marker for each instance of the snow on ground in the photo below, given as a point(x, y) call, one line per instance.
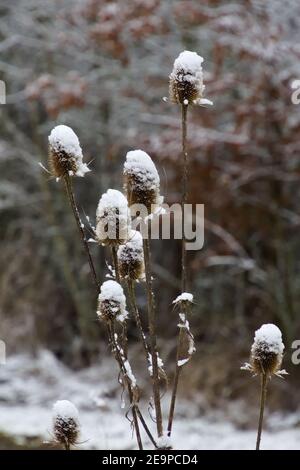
point(30, 386)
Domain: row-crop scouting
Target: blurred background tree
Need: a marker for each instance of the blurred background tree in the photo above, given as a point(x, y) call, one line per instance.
point(102, 67)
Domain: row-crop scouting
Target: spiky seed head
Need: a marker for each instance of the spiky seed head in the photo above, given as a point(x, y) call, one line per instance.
point(66, 427)
point(65, 153)
point(113, 218)
point(131, 257)
point(186, 80)
point(112, 302)
point(141, 180)
point(267, 350)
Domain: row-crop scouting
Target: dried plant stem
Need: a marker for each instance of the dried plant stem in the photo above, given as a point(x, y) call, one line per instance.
point(263, 395)
point(70, 193)
point(184, 109)
point(67, 445)
point(152, 334)
point(118, 279)
point(115, 263)
point(136, 314)
point(120, 361)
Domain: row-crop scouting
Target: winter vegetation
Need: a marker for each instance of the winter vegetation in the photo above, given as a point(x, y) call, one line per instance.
point(159, 332)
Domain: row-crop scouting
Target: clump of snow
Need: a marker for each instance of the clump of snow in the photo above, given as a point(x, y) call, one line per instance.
point(181, 362)
point(112, 301)
point(164, 442)
point(270, 337)
point(184, 297)
point(141, 165)
point(63, 139)
point(113, 218)
point(160, 364)
point(65, 410)
point(129, 373)
point(190, 63)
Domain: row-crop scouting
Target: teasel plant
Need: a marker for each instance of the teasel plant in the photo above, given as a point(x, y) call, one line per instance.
point(66, 426)
point(265, 361)
point(65, 162)
point(186, 88)
point(142, 186)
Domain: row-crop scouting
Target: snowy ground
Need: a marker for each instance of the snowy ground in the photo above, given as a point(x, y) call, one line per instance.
point(29, 387)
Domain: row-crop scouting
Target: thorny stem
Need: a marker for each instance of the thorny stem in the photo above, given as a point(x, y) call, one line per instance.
point(184, 109)
point(134, 406)
point(263, 394)
point(152, 333)
point(135, 311)
point(70, 193)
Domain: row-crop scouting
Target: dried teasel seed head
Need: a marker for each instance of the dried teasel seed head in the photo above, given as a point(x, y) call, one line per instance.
point(186, 80)
point(66, 427)
point(65, 153)
point(267, 350)
point(131, 257)
point(112, 302)
point(141, 180)
point(113, 218)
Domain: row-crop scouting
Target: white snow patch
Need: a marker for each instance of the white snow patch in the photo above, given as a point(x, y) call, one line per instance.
point(65, 410)
point(271, 337)
point(185, 296)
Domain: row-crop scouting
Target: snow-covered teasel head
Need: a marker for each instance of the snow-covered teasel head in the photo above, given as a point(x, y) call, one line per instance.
point(66, 426)
point(131, 257)
point(65, 153)
point(142, 183)
point(186, 80)
point(113, 218)
point(267, 351)
point(112, 302)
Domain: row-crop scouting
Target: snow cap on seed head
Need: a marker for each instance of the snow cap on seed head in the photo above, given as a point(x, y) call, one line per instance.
point(65, 153)
point(131, 257)
point(142, 183)
point(267, 351)
point(112, 302)
point(186, 80)
point(113, 218)
point(66, 427)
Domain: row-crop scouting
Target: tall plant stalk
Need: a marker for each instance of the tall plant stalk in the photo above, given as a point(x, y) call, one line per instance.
point(152, 334)
point(184, 109)
point(136, 314)
point(263, 395)
point(71, 197)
